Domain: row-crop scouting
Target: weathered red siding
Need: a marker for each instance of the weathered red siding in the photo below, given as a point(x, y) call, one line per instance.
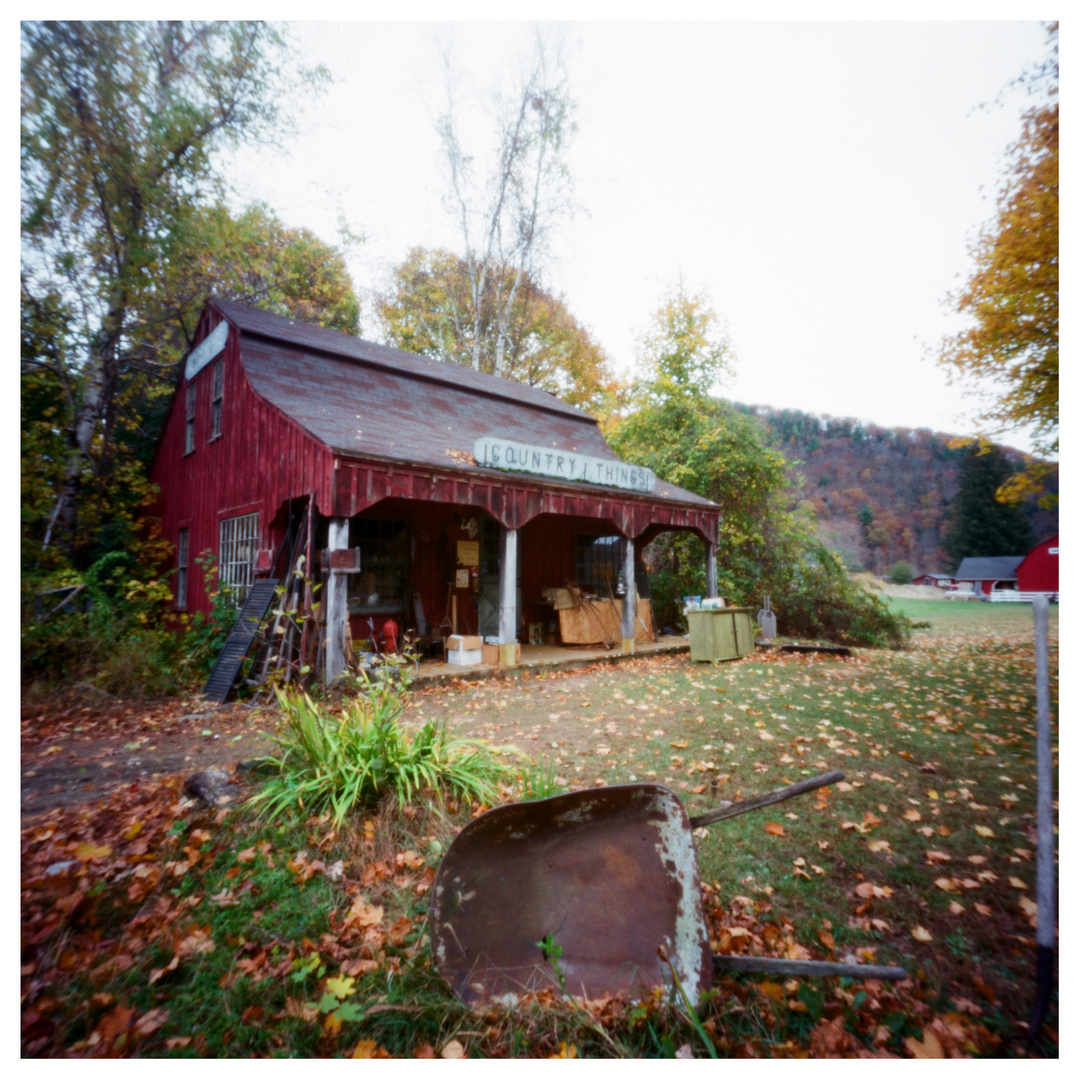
point(260, 461)
point(1039, 570)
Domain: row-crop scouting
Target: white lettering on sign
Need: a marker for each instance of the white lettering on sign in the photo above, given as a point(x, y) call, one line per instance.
point(206, 350)
point(492, 452)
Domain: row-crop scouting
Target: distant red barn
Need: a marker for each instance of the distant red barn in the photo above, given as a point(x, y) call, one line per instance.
point(1039, 570)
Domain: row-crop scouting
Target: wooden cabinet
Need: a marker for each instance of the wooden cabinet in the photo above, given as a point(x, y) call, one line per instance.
point(720, 634)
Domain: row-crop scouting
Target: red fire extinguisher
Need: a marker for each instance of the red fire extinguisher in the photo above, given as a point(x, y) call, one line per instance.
point(389, 634)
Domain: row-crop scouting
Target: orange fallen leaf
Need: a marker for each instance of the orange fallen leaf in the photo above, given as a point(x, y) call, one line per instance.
point(774, 828)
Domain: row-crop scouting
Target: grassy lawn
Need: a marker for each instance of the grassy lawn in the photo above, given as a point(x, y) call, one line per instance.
point(170, 931)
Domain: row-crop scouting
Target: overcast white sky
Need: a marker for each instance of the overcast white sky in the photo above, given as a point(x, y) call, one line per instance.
point(818, 180)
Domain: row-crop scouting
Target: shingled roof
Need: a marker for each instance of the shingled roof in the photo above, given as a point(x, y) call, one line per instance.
point(366, 400)
point(989, 568)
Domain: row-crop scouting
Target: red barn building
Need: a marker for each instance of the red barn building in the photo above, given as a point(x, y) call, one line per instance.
point(460, 490)
point(1038, 573)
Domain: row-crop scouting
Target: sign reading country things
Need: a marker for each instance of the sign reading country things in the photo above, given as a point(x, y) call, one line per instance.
point(493, 452)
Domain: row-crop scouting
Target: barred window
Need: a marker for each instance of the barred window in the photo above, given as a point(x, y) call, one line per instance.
point(189, 431)
point(217, 397)
point(181, 569)
point(236, 555)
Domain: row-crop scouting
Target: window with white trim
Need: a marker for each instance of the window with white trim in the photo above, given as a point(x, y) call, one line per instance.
point(217, 397)
point(189, 429)
point(236, 555)
point(181, 569)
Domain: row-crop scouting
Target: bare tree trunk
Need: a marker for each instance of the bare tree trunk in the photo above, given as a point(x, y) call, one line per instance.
point(85, 426)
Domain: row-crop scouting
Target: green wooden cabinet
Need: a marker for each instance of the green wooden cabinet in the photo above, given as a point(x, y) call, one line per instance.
point(720, 634)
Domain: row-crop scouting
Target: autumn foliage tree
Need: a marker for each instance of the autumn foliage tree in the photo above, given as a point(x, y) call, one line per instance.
point(766, 542)
point(121, 124)
point(1012, 294)
point(430, 301)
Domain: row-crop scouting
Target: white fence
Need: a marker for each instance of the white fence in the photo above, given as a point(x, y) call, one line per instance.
point(1013, 596)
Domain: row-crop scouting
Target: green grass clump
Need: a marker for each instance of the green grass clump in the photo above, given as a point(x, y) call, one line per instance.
point(338, 763)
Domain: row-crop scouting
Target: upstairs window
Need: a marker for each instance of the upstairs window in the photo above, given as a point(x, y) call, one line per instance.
point(181, 569)
point(216, 397)
point(189, 428)
point(236, 556)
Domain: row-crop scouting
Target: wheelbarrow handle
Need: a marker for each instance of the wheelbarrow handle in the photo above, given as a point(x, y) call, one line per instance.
point(769, 965)
point(770, 797)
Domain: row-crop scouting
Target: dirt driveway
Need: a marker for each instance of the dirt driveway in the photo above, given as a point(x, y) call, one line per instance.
point(76, 749)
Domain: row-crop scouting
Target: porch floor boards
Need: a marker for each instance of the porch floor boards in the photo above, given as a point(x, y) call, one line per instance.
point(549, 657)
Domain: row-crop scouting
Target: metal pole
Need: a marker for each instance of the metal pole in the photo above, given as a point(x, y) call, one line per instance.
point(1045, 933)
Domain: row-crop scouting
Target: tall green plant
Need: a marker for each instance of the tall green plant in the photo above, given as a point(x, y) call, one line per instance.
point(340, 763)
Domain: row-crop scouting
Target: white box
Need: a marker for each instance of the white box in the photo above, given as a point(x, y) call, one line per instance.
point(466, 657)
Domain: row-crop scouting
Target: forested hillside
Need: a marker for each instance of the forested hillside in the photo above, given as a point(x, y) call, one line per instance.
point(880, 494)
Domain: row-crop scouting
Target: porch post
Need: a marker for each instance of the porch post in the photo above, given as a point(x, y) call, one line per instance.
point(508, 614)
point(337, 604)
point(710, 569)
point(629, 603)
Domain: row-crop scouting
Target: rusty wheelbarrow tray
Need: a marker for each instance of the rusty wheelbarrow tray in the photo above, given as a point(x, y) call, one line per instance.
point(578, 892)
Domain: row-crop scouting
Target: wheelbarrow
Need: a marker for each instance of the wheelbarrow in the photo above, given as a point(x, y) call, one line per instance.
point(591, 893)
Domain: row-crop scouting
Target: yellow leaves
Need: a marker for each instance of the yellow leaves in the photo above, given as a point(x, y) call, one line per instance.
point(54, 750)
point(984, 910)
point(912, 815)
point(681, 744)
point(984, 831)
point(946, 883)
point(880, 845)
point(956, 908)
point(341, 987)
point(920, 933)
point(765, 736)
point(92, 852)
point(1016, 883)
point(934, 856)
point(565, 1051)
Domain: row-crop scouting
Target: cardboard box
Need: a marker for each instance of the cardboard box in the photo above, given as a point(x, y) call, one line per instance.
point(465, 657)
point(491, 653)
point(457, 642)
